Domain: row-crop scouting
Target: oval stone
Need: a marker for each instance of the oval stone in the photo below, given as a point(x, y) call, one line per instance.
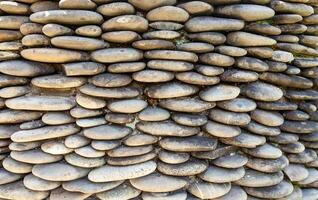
point(85, 186)
point(188, 144)
point(152, 76)
point(157, 182)
point(253, 178)
point(280, 190)
point(124, 191)
point(44, 133)
point(170, 90)
point(109, 173)
point(203, 24)
point(219, 93)
point(262, 91)
point(126, 23)
point(107, 132)
point(238, 105)
point(112, 55)
point(267, 118)
point(17, 190)
point(25, 68)
point(127, 106)
point(40, 103)
point(206, 190)
point(168, 13)
point(166, 128)
point(221, 130)
point(58, 81)
point(58, 172)
point(247, 12)
point(37, 184)
point(189, 168)
point(78, 43)
point(216, 174)
point(79, 17)
point(244, 39)
point(53, 55)
point(191, 105)
point(34, 156)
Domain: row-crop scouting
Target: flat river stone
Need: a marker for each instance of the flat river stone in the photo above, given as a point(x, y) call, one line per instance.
point(24, 68)
point(34, 156)
point(166, 128)
point(126, 23)
point(109, 173)
point(113, 55)
point(244, 39)
point(54, 55)
point(107, 132)
point(206, 190)
point(80, 17)
point(216, 174)
point(262, 91)
point(280, 190)
point(219, 93)
point(188, 168)
point(253, 178)
point(44, 133)
point(202, 24)
point(85, 186)
point(157, 182)
point(247, 12)
point(17, 190)
point(58, 172)
point(188, 144)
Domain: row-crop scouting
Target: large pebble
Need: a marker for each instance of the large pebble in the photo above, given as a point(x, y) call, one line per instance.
point(206, 190)
point(34, 156)
point(85, 186)
point(166, 128)
point(203, 24)
point(157, 182)
point(280, 190)
point(146, 5)
point(188, 144)
point(79, 17)
point(109, 173)
point(17, 190)
point(219, 93)
point(247, 12)
point(124, 191)
point(58, 81)
point(221, 130)
point(262, 91)
point(126, 23)
point(79, 43)
point(170, 90)
point(58, 172)
point(127, 106)
point(168, 13)
point(113, 55)
point(43, 133)
point(40, 103)
point(244, 39)
point(25, 68)
point(189, 168)
point(53, 55)
point(186, 105)
point(107, 132)
point(116, 9)
point(83, 68)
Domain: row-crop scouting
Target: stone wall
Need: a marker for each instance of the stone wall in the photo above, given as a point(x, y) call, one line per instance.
point(158, 99)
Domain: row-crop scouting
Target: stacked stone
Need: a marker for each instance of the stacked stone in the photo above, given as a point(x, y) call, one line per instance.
point(158, 99)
